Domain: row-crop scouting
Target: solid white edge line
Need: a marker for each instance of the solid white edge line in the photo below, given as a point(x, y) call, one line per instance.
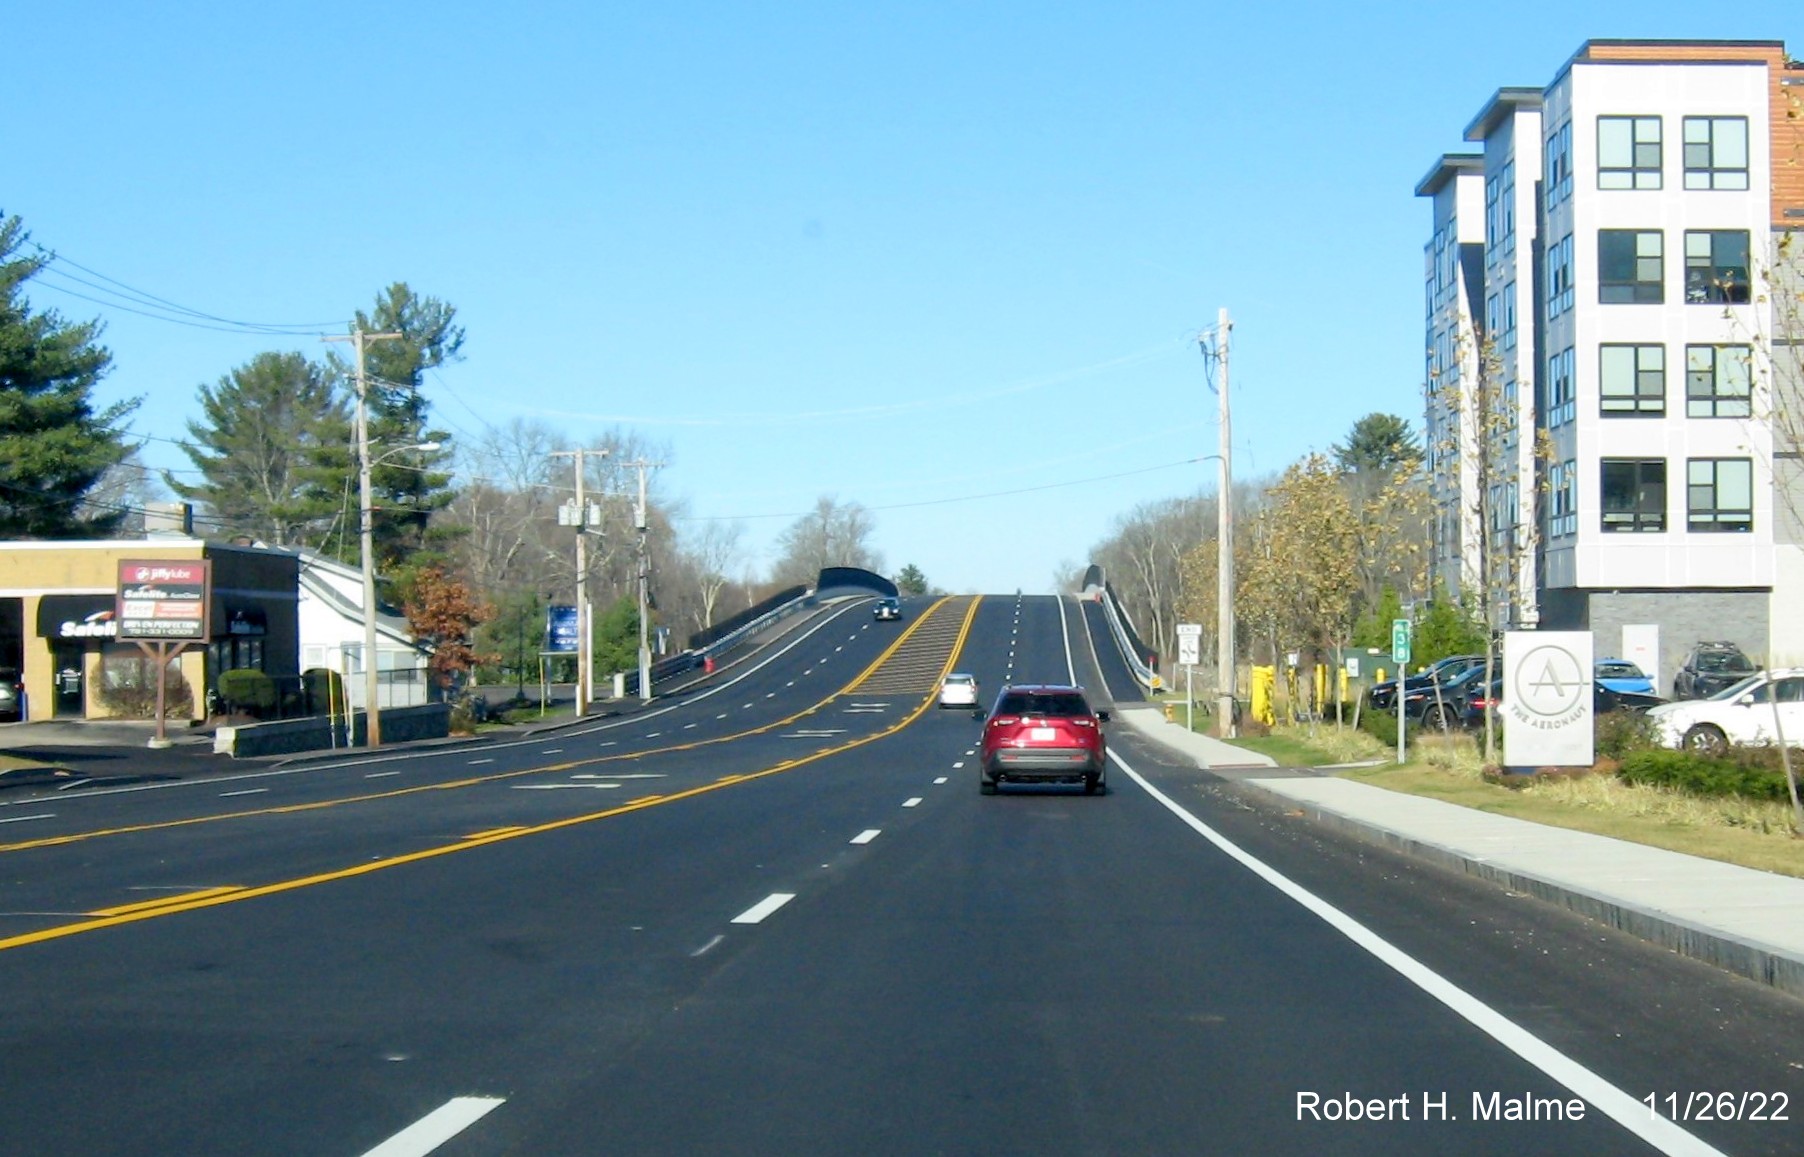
point(436, 1127)
point(867, 835)
point(757, 912)
point(22, 819)
point(1621, 1107)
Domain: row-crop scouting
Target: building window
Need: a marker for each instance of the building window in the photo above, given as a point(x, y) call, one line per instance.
point(1493, 317)
point(1558, 179)
point(1716, 152)
point(1508, 198)
point(1716, 267)
point(1719, 495)
point(1628, 152)
point(1631, 380)
point(1629, 266)
point(1633, 495)
point(1561, 405)
point(1718, 381)
point(1562, 499)
point(1559, 277)
point(1493, 216)
point(1509, 316)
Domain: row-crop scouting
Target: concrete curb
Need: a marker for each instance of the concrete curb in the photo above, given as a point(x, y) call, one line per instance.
point(1743, 955)
point(1200, 751)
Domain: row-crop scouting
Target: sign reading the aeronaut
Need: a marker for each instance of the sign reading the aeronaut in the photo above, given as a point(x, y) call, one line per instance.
point(164, 599)
point(1546, 700)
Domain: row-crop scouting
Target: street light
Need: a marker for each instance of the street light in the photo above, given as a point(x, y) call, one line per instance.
point(371, 711)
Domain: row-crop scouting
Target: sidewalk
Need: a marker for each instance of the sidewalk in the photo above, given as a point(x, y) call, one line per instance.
point(1746, 921)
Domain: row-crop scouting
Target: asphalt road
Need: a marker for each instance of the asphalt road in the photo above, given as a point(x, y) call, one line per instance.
point(778, 918)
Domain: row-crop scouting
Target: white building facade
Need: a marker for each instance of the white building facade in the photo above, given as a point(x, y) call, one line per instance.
point(332, 636)
point(1646, 449)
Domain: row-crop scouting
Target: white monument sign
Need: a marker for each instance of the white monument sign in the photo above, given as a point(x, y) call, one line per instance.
point(1547, 699)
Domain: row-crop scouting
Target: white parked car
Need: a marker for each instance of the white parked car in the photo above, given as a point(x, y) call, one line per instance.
point(959, 691)
point(1741, 714)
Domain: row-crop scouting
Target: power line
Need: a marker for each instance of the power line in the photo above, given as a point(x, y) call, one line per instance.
point(146, 304)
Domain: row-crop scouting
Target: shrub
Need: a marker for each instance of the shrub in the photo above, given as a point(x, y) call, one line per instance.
point(138, 699)
point(247, 687)
point(1382, 726)
point(1621, 732)
point(1738, 774)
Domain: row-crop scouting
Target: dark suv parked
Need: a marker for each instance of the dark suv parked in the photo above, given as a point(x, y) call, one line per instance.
point(1711, 667)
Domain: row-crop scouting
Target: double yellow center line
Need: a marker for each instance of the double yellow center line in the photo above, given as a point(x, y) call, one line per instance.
point(213, 897)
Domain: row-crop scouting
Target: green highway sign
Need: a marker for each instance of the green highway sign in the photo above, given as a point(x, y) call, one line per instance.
point(1400, 636)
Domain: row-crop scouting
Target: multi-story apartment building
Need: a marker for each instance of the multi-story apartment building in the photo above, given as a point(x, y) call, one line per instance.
point(1654, 498)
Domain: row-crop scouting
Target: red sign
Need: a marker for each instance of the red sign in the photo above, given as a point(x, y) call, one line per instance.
point(165, 599)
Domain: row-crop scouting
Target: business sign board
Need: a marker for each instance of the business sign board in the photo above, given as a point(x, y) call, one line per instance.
point(560, 629)
point(165, 599)
point(1547, 699)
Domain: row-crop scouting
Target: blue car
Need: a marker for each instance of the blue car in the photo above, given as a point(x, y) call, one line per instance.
point(1622, 676)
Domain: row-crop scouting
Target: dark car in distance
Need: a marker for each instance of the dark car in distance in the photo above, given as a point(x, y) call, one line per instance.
point(1709, 668)
point(1383, 696)
point(887, 610)
point(12, 695)
point(1043, 733)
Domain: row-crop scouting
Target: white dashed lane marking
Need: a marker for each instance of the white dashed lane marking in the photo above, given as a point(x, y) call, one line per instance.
point(867, 835)
point(757, 913)
point(436, 1127)
point(913, 801)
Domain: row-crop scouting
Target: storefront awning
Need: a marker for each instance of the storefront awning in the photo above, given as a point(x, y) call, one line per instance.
point(77, 617)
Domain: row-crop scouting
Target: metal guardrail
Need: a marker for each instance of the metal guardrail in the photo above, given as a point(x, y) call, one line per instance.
point(1144, 675)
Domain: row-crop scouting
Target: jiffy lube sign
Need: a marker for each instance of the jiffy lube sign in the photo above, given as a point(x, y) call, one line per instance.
point(164, 599)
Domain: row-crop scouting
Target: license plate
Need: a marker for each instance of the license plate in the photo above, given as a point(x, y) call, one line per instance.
point(1042, 733)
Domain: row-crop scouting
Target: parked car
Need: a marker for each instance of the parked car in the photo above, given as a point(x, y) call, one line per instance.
point(1043, 733)
point(1477, 700)
point(958, 690)
point(1442, 706)
point(1445, 671)
point(1710, 668)
point(1740, 714)
point(887, 610)
point(12, 695)
point(1622, 675)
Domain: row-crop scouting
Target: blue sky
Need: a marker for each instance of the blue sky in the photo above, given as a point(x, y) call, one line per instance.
point(948, 261)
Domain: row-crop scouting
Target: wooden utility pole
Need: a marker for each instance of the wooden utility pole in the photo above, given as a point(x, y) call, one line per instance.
point(582, 519)
point(371, 710)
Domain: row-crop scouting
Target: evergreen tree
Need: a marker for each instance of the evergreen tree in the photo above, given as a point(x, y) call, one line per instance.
point(274, 447)
point(54, 446)
point(1378, 444)
point(406, 489)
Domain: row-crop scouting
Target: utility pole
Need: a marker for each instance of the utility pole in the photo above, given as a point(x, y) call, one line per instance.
point(1224, 537)
point(371, 710)
point(582, 517)
point(642, 523)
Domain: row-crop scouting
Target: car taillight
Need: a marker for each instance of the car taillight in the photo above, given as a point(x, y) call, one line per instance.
point(1004, 720)
point(1083, 723)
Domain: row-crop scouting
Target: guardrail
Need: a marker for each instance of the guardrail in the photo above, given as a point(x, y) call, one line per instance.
point(1146, 676)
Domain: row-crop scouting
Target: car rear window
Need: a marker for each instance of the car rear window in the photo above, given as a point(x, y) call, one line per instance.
point(1618, 671)
point(1066, 704)
point(1718, 662)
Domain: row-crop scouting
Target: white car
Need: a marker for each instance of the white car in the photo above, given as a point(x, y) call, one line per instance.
point(959, 691)
point(1741, 714)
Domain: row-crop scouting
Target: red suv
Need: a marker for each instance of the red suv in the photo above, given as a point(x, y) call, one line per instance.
point(1043, 733)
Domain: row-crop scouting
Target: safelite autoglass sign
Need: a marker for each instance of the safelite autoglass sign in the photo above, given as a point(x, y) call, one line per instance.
point(164, 600)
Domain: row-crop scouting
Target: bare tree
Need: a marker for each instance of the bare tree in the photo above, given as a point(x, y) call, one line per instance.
point(832, 534)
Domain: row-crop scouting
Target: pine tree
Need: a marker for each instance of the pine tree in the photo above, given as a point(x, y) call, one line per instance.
point(54, 446)
point(273, 447)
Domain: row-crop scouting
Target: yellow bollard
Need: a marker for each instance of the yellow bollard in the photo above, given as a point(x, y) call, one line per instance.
point(1260, 709)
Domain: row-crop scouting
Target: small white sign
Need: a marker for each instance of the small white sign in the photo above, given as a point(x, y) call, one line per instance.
point(1189, 650)
point(1547, 699)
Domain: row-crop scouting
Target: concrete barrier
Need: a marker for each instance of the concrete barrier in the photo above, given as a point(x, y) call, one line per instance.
point(288, 736)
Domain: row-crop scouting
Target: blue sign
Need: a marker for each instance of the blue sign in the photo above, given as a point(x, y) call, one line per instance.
point(560, 629)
